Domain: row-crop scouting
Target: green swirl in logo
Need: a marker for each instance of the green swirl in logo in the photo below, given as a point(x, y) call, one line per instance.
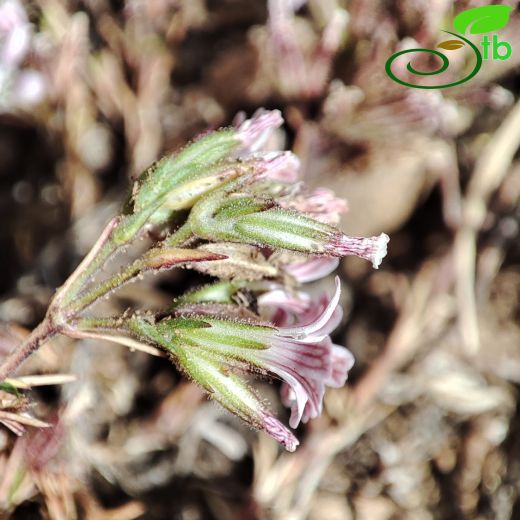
point(442, 68)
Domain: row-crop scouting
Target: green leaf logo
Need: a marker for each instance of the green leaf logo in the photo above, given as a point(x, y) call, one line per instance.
point(487, 18)
point(450, 45)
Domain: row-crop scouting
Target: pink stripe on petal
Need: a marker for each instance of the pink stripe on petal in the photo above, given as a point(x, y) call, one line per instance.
point(295, 398)
point(307, 402)
point(342, 361)
point(304, 397)
point(299, 356)
point(305, 373)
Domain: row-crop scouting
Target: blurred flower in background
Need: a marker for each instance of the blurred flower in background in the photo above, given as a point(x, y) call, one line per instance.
point(21, 86)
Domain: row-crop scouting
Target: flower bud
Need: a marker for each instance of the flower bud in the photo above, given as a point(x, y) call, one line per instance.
point(234, 394)
point(166, 174)
point(221, 216)
point(220, 292)
point(254, 132)
point(177, 181)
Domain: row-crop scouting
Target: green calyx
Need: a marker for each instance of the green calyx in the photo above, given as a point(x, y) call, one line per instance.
point(177, 181)
point(225, 216)
point(285, 229)
point(223, 340)
point(228, 389)
point(220, 292)
point(191, 163)
point(202, 364)
point(215, 335)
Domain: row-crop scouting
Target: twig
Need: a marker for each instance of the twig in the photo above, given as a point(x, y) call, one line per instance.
point(44, 331)
point(96, 256)
point(490, 170)
point(41, 380)
point(22, 419)
point(132, 344)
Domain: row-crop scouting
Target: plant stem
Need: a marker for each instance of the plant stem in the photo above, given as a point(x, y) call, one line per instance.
point(113, 324)
point(107, 329)
point(44, 331)
point(96, 257)
point(87, 299)
point(155, 259)
point(182, 235)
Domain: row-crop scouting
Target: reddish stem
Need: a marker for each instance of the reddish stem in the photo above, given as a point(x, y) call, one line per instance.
point(44, 331)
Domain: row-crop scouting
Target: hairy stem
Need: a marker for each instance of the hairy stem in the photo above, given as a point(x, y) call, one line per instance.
point(44, 331)
point(96, 257)
point(180, 237)
point(90, 297)
point(155, 259)
point(112, 324)
point(108, 329)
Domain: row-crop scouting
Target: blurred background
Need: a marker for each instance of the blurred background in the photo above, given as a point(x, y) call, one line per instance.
point(93, 91)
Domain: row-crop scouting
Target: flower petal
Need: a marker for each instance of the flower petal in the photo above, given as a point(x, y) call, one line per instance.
point(279, 299)
point(254, 132)
point(316, 329)
point(280, 166)
point(305, 397)
point(304, 367)
point(342, 361)
point(279, 432)
point(373, 249)
point(314, 268)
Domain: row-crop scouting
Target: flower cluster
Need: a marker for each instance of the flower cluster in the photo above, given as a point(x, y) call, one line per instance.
point(247, 197)
point(208, 348)
point(228, 206)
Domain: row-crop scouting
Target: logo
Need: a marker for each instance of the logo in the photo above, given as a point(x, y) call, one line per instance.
point(480, 20)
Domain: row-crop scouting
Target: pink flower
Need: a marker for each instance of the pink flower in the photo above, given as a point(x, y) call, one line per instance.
point(305, 358)
point(283, 166)
point(341, 362)
point(321, 204)
point(15, 33)
point(255, 135)
point(312, 268)
point(325, 311)
point(255, 132)
point(211, 350)
point(372, 249)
